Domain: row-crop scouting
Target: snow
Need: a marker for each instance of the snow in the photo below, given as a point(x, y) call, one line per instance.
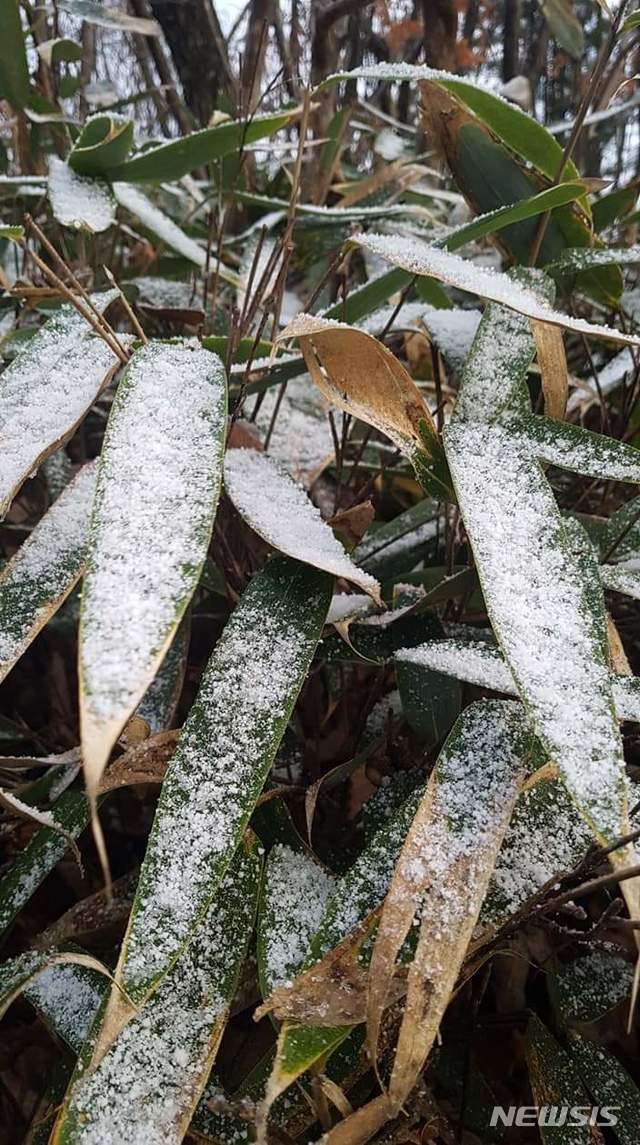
point(219, 768)
point(346, 606)
point(534, 595)
point(160, 224)
point(296, 892)
point(77, 201)
point(149, 539)
point(609, 378)
point(68, 998)
point(418, 257)
point(301, 438)
point(282, 514)
point(47, 389)
point(44, 570)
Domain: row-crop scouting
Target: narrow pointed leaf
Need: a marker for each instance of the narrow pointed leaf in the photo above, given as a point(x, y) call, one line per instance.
point(158, 485)
point(109, 17)
point(445, 864)
point(296, 889)
point(37, 580)
point(14, 73)
point(46, 391)
point(418, 257)
point(610, 1086)
point(555, 1082)
point(173, 160)
point(572, 447)
point(19, 973)
point(281, 513)
point(67, 997)
point(164, 1055)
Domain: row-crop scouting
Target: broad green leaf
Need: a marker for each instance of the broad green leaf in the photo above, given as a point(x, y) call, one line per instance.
point(14, 74)
point(523, 134)
point(78, 201)
point(280, 512)
point(170, 161)
point(24, 973)
point(481, 663)
point(168, 232)
point(572, 447)
point(109, 17)
point(610, 1086)
point(574, 260)
point(225, 751)
point(46, 391)
point(165, 1053)
point(157, 707)
point(103, 143)
point(37, 580)
point(418, 257)
point(445, 866)
point(613, 206)
point(494, 221)
point(588, 987)
point(555, 1082)
point(158, 485)
point(564, 25)
point(295, 892)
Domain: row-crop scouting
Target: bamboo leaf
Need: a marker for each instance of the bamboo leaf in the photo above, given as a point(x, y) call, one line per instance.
point(165, 1053)
point(77, 201)
point(103, 143)
point(493, 221)
point(38, 579)
point(555, 1082)
point(564, 26)
point(446, 863)
point(47, 389)
point(148, 540)
point(418, 257)
point(572, 447)
point(108, 17)
point(67, 997)
point(226, 749)
point(278, 509)
point(296, 889)
point(167, 162)
point(20, 973)
point(610, 1086)
point(14, 73)
point(573, 261)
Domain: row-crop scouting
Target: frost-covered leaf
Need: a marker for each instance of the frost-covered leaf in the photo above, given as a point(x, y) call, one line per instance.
point(226, 748)
point(163, 1056)
point(445, 864)
point(78, 201)
point(587, 988)
point(623, 578)
point(555, 1082)
point(158, 485)
point(572, 447)
point(164, 229)
point(24, 971)
point(281, 513)
point(67, 997)
point(46, 391)
point(583, 258)
point(296, 889)
point(36, 581)
point(610, 1086)
point(418, 257)
point(537, 601)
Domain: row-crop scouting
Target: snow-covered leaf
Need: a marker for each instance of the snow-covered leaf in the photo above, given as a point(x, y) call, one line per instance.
point(163, 1056)
point(281, 513)
point(445, 865)
point(105, 16)
point(555, 1082)
point(18, 973)
point(36, 581)
point(79, 201)
point(46, 391)
point(296, 889)
point(418, 257)
point(158, 485)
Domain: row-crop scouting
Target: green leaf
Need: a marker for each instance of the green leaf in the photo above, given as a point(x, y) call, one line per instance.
point(494, 221)
point(14, 73)
point(276, 508)
point(523, 134)
point(79, 201)
point(225, 751)
point(555, 1082)
point(37, 974)
point(580, 258)
point(59, 50)
point(589, 987)
point(170, 161)
point(418, 257)
point(165, 1052)
point(397, 546)
point(572, 447)
point(158, 485)
point(67, 997)
point(12, 233)
point(564, 25)
point(610, 1086)
point(613, 206)
point(295, 892)
point(93, 12)
point(46, 391)
point(104, 143)
point(38, 579)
